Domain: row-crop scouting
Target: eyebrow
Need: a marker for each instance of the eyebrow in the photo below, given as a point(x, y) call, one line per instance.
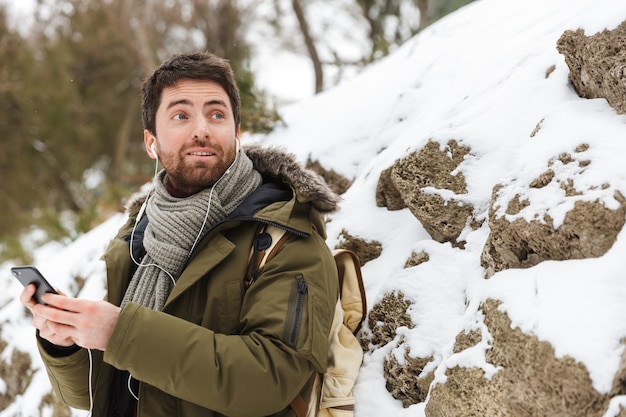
point(186, 102)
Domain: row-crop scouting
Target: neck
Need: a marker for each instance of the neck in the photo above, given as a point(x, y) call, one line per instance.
point(173, 191)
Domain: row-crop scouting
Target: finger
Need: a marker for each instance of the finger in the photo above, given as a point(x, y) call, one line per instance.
point(39, 322)
point(51, 325)
point(60, 301)
point(48, 332)
point(55, 314)
point(60, 329)
point(26, 297)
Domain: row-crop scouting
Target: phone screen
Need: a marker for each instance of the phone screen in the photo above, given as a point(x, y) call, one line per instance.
point(31, 275)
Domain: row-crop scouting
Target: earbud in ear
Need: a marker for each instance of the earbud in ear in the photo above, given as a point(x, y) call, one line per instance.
point(154, 152)
point(238, 144)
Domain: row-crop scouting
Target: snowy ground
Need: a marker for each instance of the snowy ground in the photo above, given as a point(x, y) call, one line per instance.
point(477, 76)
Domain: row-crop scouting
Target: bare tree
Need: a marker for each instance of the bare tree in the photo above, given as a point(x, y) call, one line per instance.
point(376, 13)
point(424, 8)
point(310, 45)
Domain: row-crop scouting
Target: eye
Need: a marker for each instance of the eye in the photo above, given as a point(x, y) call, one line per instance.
point(217, 115)
point(179, 116)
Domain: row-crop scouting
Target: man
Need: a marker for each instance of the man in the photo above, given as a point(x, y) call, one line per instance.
point(179, 333)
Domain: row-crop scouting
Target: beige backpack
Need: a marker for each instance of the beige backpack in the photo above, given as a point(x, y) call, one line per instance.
point(331, 395)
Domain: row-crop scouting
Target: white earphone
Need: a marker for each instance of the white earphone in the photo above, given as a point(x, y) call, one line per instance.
point(154, 152)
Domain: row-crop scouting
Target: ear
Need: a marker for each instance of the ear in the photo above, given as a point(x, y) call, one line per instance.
point(150, 141)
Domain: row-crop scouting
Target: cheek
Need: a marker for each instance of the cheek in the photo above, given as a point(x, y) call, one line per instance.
point(169, 139)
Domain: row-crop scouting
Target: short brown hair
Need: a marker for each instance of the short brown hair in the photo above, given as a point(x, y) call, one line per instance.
point(201, 66)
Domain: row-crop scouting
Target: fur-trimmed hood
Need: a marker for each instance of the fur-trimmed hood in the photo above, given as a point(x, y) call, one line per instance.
point(276, 164)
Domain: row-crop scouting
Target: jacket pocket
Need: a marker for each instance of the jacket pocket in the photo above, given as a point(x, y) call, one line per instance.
point(295, 311)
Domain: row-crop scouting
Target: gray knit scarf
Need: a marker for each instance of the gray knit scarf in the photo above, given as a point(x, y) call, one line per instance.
point(177, 224)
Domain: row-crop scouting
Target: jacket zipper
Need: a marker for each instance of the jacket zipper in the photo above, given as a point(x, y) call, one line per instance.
point(302, 288)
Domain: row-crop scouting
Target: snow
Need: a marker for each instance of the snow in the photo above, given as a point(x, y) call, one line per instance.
point(477, 76)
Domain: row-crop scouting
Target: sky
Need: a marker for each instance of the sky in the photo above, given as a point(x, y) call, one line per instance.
point(477, 76)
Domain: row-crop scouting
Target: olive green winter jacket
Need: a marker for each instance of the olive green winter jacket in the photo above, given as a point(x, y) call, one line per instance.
point(218, 349)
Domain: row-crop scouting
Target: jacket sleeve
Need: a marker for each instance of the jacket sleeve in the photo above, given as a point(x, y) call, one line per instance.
point(69, 368)
point(256, 372)
point(69, 375)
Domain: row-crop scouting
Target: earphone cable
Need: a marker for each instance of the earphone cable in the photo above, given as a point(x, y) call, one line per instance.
point(130, 389)
point(208, 209)
point(90, 383)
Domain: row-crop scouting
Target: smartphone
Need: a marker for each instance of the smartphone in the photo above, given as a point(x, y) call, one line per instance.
point(31, 275)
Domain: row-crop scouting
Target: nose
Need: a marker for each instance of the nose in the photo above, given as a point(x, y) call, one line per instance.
point(201, 129)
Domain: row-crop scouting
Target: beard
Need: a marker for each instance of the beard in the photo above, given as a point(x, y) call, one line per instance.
point(189, 177)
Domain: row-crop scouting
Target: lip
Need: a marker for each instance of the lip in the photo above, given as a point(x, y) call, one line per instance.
point(201, 153)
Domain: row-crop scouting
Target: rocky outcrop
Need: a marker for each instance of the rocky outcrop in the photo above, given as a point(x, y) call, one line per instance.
point(584, 222)
point(337, 182)
point(428, 184)
point(405, 379)
point(387, 195)
point(416, 259)
point(384, 319)
point(530, 380)
point(365, 250)
point(597, 64)
point(15, 374)
point(588, 230)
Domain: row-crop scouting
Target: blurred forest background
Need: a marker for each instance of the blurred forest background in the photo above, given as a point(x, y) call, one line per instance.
point(70, 124)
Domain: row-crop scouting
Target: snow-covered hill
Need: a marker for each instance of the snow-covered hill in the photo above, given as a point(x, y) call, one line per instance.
point(479, 77)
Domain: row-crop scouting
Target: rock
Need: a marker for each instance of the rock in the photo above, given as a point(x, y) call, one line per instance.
point(597, 64)
point(404, 379)
point(337, 182)
point(431, 189)
point(385, 317)
point(416, 259)
point(16, 373)
point(530, 381)
point(364, 250)
point(387, 195)
point(588, 230)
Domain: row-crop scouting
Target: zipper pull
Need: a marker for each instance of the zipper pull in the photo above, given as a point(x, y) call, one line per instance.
point(302, 285)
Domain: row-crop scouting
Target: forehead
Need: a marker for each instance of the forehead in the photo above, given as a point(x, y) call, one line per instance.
point(194, 91)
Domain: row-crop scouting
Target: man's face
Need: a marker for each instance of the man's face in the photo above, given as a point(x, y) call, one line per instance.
point(195, 134)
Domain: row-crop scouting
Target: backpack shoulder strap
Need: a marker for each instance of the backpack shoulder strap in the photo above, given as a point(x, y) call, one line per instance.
point(266, 243)
point(351, 288)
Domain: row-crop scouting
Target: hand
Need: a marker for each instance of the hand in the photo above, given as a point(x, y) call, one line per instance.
point(40, 323)
point(87, 323)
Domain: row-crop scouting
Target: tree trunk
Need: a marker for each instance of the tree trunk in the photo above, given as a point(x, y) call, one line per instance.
point(310, 46)
point(424, 8)
point(376, 31)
